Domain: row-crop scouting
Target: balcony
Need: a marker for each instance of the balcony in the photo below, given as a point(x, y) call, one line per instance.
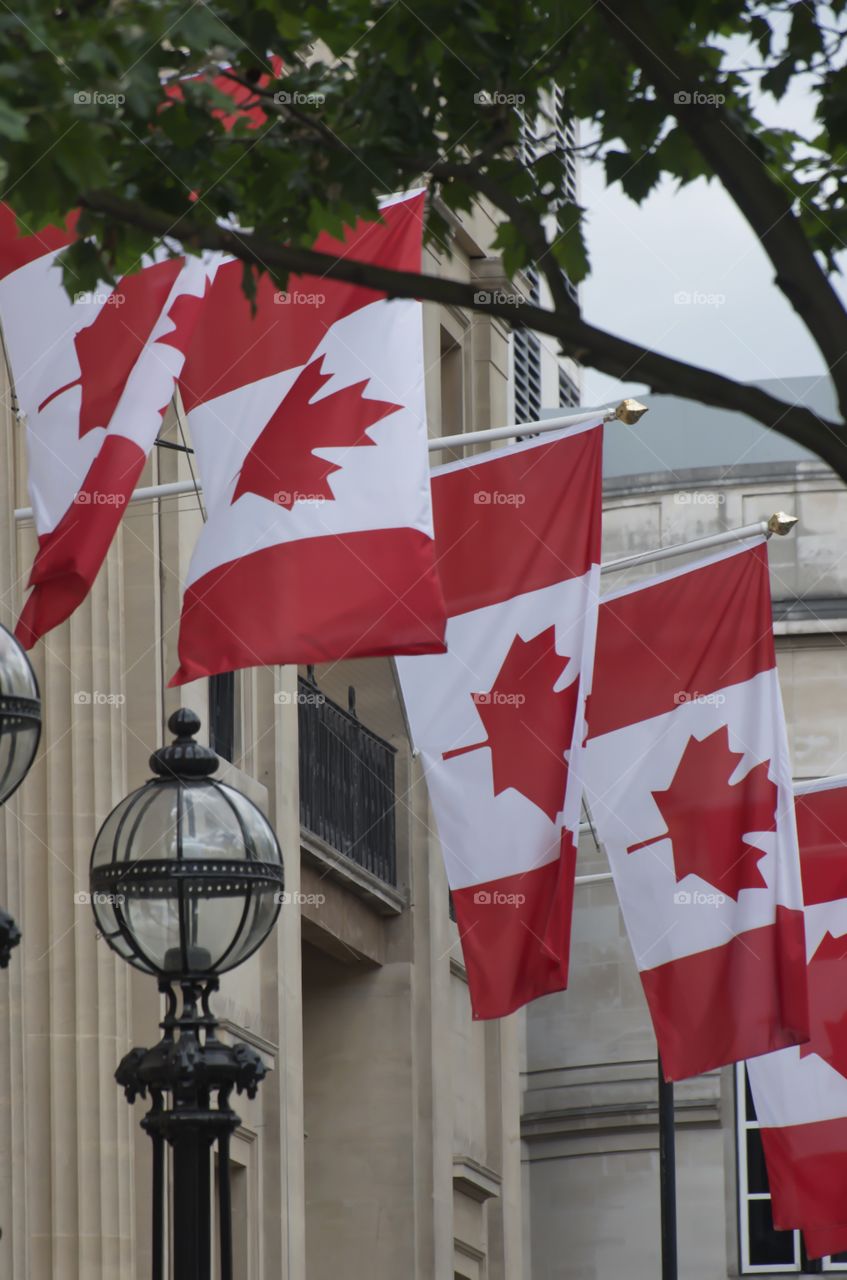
point(347, 793)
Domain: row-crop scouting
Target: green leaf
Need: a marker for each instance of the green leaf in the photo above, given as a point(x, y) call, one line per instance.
point(200, 28)
point(678, 155)
point(637, 175)
point(13, 124)
point(776, 80)
point(760, 31)
point(570, 249)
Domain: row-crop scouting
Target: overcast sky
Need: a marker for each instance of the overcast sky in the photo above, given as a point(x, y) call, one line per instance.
point(691, 242)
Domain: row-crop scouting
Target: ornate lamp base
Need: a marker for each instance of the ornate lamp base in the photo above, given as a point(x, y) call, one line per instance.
point(10, 936)
point(181, 1073)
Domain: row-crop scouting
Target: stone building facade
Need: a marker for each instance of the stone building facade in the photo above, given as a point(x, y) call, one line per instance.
point(384, 1141)
point(589, 1098)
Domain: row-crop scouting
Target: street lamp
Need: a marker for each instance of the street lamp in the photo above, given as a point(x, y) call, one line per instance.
point(20, 730)
point(186, 880)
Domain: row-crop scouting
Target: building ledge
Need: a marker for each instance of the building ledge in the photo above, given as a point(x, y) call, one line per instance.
point(475, 1180)
point(615, 1097)
point(621, 1118)
point(230, 1032)
point(815, 615)
point(382, 898)
point(754, 474)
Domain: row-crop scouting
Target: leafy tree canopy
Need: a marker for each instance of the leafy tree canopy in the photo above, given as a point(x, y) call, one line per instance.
point(363, 97)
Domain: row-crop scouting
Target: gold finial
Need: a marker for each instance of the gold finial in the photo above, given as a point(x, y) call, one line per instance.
point(628, 411)
point(781, 523)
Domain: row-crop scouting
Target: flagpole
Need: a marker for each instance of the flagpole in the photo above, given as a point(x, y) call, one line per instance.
point(628, 412)
point(779, 523)
point(667, 1175)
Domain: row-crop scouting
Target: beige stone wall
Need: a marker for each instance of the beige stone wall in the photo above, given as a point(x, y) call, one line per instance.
point(384, 1141)
point(589, 1084)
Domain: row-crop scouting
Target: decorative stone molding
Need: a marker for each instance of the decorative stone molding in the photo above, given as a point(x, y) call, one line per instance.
point(610, 1098)
point(475, 1180)
point(383, 898)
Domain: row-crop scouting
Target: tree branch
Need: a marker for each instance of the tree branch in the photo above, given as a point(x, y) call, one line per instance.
point(735, 159)
point(596, 347)
point(530, 229)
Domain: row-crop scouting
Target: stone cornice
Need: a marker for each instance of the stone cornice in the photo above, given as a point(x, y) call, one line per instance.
point(609, 1099)
point(474, 1179)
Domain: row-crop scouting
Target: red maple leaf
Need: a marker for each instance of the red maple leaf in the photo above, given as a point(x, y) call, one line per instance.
point(108, 348)
point(530, 725)
point(282, 465)
point(828, 1004)
point(707, 817)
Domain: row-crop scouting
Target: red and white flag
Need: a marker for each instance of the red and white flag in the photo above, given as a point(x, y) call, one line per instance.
point(801, 1093)
point(308, 420)
point(822, 1242)
point(689, 782)
point(93, 374)
point(499, 718)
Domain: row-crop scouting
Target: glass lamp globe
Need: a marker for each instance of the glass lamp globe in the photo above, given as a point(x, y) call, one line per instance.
point(20, 715)
point(186, 872)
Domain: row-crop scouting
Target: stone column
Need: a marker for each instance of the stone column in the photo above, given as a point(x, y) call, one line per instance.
point(14, 1242)
point(72, 1171)
point(275, 763)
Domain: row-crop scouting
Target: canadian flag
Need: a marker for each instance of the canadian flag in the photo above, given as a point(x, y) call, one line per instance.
point(93, 374)
point(499, 718)
point(308, 420)
point(801, 1093)
point(821, 1242)
point(689, 782)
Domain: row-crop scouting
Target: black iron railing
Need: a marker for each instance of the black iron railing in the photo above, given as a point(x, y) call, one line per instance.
point(347, 792)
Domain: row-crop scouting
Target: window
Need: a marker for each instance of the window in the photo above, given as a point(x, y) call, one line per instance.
point(242, 1219)
point(568, 390)
point(452, 385)
point(527, 353)
point(764, 1251)
point(553, 131)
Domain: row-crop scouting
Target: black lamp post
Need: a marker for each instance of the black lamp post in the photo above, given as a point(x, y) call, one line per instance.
point(20, 730)
point(186, 875)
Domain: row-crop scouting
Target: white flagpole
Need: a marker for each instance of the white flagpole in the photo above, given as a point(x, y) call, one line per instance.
point(521, 429)
point(628, 411)
point(779, 523)
point(174, 489)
